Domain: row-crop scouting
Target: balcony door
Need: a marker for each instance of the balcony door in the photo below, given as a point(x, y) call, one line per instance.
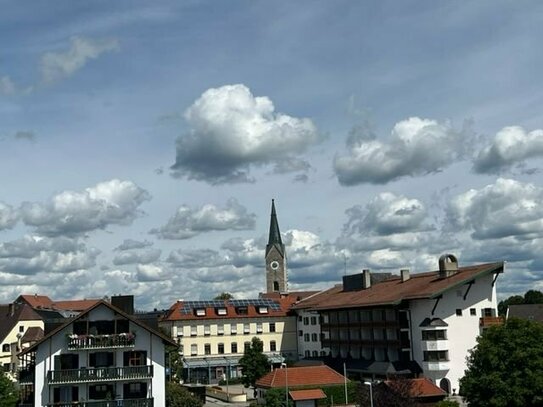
point(65, 394)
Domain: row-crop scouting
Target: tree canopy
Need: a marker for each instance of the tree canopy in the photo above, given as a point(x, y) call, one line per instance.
point(530, 297)
point(224, 296)
point(254, 364)
point(178, 396)
point(8, 393)
point(505, 369)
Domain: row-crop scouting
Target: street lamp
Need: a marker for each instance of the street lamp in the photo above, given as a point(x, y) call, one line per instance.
point(371, 392)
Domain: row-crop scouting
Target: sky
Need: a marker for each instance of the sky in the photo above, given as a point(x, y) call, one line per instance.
point(141, 143)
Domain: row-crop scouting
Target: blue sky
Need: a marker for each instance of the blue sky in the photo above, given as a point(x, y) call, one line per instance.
point(141, 143)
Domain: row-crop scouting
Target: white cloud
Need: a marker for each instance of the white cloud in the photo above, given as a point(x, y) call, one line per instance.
point(505, 208)
point(70, 213)
point(33, 254)
point(8, 216)
point(137, 256)
point(188, 222)
point(511, 145)
point(232, 130)
point(129, 244)
point(416, 147)
point(150, 272)
point(58, 65)
point(7, 87)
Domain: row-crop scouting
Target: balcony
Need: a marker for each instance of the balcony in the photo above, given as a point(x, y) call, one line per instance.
point(26, 375)
point(485, 322)
point(106, 403)
point(99, 374)
point(82, 342)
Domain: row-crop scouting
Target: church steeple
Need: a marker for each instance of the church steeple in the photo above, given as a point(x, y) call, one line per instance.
point(276, 259)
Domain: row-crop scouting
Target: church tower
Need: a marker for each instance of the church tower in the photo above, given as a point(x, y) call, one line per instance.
point(276, 258)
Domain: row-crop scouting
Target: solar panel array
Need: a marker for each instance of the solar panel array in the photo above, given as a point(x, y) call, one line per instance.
point(188, 306)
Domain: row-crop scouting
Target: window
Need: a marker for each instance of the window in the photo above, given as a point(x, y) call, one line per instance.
point(323, 353)
point(262, 310)
point(207, 349)
point(221, 311)
point(101, 359)
point(135, 390)
point(273, 346)
point(65, 394)
point(246, 329)
point(259, 327)
point(200, 312)
point(135, 358)
point(246, 346)
point(306, 320)
point(242, 310)
point(193, 330)
point(488, 312)
point(306, 337)
point(300, 318)
point(234, 329)
point(472, 311)
point(180, 332)
point(314, 337)
point(275, 286)
point(313, 320)
point(102, 392)
point(436, 356)
point(272, 326)
point(458, 312)
point(315, 353)
point(67, 361)
point(193, 349)
point(220, 329)
point(21, 328)
point(220, 348)
point(323, 337)
point(207, 330)
point(5, 347)
point(300, 333)
point(434, 335)
point(234, 347)
point(307, 353)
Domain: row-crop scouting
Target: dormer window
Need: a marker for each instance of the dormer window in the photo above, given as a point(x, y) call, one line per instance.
point(242, 310)
point(262, 310)
point(200, 312)
point(221, 311)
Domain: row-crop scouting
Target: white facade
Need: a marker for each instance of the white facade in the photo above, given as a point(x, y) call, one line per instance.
point(127, 366)
point(309, 335)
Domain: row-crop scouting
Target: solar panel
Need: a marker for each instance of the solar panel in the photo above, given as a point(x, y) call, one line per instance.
point(188, 306)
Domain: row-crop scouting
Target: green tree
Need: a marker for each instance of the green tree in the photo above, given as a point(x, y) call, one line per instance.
point(276, 398)
point(178, 396)
point(9, 395)
point(224, 296)
point(530, 297)
point(447, 403)
point(254, 364)
point(533, 297)
point(505, 369)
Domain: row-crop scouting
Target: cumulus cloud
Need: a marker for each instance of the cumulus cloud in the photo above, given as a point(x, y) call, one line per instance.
point(505, 208)
point(511, 145)
point(137, 256)
point(72, 213)
point(232, 130)
point(150, 272)
point(25, 135)
point(188, 222)
point(7, 87)
point(416, 147)
point(33, 254)
point(58, 65)
point(8, 216)
point(129, 244)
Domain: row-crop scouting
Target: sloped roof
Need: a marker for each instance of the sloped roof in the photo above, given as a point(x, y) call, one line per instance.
point(32, 334)
point(301, 376)
point(8, 319)
point(533, 312)
point(308, 394)
point(393, 291)
point(166, 339)
point(43, 301)
point(421, 387)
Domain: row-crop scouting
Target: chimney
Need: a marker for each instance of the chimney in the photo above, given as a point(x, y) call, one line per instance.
point(124, 303)
point(366, 279)
point(11, 310)
point(448, 265)
point(405, 275)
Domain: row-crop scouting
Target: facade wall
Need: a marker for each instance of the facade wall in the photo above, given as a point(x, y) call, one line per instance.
point(10, 357)
point(309, 335)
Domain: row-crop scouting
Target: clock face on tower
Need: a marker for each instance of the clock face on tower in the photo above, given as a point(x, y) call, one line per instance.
point(274, 265)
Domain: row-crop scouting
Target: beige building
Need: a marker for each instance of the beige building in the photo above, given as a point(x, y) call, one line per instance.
point(213, 334)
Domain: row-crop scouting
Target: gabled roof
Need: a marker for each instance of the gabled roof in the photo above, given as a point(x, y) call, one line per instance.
point(43, 301)
point(301, 376)
point(421, 387)
point(308, 394)
point(393, 291)
point(32, 334)
point(533, 312)
point(166, 339)
point(11, 314)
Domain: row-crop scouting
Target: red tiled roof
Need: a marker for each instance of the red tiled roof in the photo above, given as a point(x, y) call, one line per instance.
point(36, 301)
point(421, 387)
point(301, 376)
point(309, 394)
point(11, 314)
point(393, 290)
point(43, 301)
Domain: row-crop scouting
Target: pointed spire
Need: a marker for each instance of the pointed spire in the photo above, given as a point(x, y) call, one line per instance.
point(275, 235)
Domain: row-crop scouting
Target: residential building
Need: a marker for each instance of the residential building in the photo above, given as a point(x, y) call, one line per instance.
point(102, 354)
point(297, 378)
point(214, 334)
point(71, 307)
point(19, 326)
point(531, 312)
point(420, 324)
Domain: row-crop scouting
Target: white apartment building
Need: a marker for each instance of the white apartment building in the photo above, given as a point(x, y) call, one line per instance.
point(102, 354)
point(419, 324)
point(214, 334)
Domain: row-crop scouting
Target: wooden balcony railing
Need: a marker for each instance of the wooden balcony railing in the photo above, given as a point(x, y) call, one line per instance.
point(124, 340)
point(99, 374)
point(485, 322)
point(106, 403)
point(26, 375)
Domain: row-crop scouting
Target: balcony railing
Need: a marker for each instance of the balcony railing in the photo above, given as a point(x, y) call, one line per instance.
point(26, 376)
point(124, 340)
point(106, 403)
point(99, 374)
point(485, 322)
